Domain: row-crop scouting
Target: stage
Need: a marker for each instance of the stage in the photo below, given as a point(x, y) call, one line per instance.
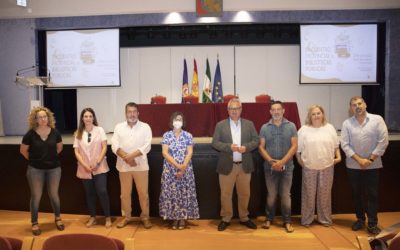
point(13, 177)
point(201, 234)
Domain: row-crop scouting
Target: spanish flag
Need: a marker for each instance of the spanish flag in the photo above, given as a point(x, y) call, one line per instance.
point(195, 80)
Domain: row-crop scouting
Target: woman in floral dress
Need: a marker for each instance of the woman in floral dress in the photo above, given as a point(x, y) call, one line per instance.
point(178, 200)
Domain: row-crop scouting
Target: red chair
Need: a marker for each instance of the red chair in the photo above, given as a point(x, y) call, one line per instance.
point(263, 99)
point(227, 98)
point(191, 99)
point(158, 99)
point(82, 242)
point(7, 243)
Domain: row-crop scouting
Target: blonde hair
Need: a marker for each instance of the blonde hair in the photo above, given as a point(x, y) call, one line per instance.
point(32, 119)
point(310, 109)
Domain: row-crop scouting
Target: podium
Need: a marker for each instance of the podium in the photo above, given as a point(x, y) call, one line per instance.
point(34, 83)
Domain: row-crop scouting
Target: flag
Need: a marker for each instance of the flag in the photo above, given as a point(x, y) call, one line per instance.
point(207, 85)
point(195, 80)
point(217, 94)
point(185, 85)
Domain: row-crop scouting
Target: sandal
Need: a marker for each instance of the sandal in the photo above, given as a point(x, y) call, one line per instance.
point(59, 224)
point(266, 224)
point(35, 229)
point(181, 224)
point(175, 225)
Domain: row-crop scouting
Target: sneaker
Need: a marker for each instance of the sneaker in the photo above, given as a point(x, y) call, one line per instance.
point(181, 224)
point(289, 228)
point(123, 223)
point(108, 222)
point(91, 222)
point(147, 224)
point(373, 229)
point(266, 225)
point(357, 225)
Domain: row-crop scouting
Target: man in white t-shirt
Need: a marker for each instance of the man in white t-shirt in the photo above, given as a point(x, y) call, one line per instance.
point(131, 142)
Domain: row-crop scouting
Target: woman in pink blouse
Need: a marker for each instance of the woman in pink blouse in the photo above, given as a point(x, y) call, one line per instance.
point(90, 147)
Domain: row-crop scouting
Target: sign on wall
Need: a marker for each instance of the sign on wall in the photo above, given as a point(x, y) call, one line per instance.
point(209, 8)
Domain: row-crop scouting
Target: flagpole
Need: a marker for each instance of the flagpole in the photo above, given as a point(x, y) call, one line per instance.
point(234, 70)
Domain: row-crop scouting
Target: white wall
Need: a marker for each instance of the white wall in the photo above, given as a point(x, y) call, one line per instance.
point(56, 8)
point(259, 69)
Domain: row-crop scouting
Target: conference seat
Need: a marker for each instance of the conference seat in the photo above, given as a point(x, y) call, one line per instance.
point(227, 98)
point(191, 99)
point(82, 242)
point(8, 243)
point(158, 99)
point(264, 98)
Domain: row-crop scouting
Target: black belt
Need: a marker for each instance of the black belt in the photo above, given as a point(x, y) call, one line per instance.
point(237, 162)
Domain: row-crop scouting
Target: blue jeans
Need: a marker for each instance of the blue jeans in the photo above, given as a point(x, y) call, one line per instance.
point(36, 180)
point(98, 184)
point(279, 183)
point(365, 184)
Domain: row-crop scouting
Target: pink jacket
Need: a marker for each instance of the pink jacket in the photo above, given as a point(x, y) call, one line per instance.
point(90, 152)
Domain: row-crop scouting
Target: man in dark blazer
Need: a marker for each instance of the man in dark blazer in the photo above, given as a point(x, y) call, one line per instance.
point(235, 138)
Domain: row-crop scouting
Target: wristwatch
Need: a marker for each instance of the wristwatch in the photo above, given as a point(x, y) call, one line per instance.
point(371, 160)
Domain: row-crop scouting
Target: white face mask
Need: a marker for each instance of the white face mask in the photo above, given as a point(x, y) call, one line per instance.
point(177, 124)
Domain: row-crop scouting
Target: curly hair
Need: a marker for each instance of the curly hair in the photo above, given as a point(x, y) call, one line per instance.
point(32, 119)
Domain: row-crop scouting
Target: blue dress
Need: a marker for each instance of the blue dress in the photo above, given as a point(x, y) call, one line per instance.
point(178, 194)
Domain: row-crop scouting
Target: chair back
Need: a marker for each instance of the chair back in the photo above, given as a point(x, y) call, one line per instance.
point(8, 243)
point(5, 244)
point(227, 98)
point(80, 242)
point(395, 243)
point(263, 98)
point(191, 99)
point(158, 99)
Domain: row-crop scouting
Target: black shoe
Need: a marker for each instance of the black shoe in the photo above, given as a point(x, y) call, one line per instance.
point(373, 229)
point(223, 225)
point(249, 224)
point(357, 225)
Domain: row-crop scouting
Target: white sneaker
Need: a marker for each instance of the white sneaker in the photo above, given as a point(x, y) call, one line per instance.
point(108, 222)
point(91, 222)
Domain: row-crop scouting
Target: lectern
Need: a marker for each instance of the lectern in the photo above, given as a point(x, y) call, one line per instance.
point(35, 85)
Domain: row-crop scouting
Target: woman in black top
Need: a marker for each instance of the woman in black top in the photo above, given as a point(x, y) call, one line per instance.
point(41, 146)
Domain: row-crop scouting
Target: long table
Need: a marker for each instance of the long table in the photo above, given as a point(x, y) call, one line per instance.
point(201, 118)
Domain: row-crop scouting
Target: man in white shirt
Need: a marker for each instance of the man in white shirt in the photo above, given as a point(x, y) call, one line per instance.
point(131, 142)
point(364, 139)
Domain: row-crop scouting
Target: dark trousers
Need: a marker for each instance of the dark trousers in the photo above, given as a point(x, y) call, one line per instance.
point(98, 184)
point(364, 184)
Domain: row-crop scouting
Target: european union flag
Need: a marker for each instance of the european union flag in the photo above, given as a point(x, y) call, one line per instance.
point(217, 94)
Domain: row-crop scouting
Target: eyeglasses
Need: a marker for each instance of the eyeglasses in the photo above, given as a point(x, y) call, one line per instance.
point(89, 137)
point(41, 117)
point(235, 109)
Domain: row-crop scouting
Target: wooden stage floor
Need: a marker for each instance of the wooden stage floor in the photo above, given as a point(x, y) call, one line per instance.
point(202, 234)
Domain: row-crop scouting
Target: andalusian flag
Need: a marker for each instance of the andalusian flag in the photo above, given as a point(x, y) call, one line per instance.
point(217, 94)
point(195, 80)
point(185, 84)
point(207, 85)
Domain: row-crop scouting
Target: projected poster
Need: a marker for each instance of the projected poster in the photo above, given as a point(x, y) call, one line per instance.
point(338, 53)
point(83, 58)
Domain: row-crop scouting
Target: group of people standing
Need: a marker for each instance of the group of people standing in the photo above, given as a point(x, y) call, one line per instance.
point(316, 146)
